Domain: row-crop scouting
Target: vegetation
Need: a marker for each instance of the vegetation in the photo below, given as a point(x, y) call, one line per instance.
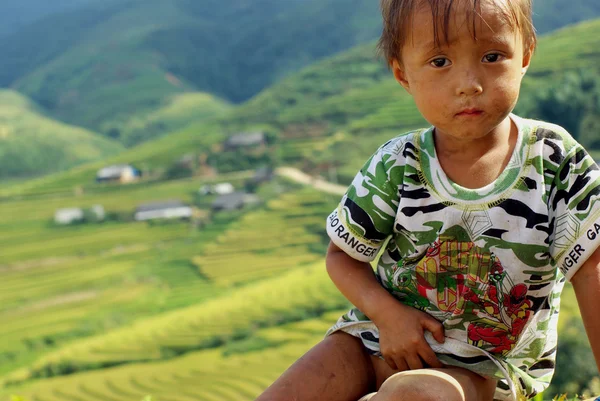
point(100, 62)
point(120, 310)
point(33, 144)
point(572, 102)
point(178, 112)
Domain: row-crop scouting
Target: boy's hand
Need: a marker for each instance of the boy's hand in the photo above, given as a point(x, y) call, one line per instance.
point(402, 338)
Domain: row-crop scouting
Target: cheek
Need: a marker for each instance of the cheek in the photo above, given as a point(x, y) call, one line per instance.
point(505, 91)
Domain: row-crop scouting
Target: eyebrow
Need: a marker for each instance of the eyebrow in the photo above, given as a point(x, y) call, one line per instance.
point(494, 40)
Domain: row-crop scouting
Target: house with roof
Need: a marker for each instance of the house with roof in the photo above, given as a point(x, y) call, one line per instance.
point(244, 140)
point(262, 174)
point(74, 215)
point(68, 216)
point(171, 209)
point(228, 202)
point(222, 188)
point(122, 173)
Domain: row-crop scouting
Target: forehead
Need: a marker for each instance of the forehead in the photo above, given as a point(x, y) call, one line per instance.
point(438, 23)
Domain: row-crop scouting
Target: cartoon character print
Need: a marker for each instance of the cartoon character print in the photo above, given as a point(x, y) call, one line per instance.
point(463, 281)
point(407, 287)
point(503, 312)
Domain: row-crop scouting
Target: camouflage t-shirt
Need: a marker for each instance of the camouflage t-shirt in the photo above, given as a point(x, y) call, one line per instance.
point(489, 263)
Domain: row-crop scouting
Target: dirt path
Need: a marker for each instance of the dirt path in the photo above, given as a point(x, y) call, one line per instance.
point(318, 183)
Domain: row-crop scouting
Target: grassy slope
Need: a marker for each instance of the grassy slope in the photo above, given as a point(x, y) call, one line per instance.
point(33, 144)
point(257, 361)
point(351, 93)
point(178, 112)
point(62, 283)
point(111, 60)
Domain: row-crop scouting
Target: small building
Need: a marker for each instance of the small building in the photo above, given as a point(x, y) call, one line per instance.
point(68, 216)
point(122, 173)
point(173, 209)
point(97, 212)
point(188, 160)
point(222, 188)
point(262, 174)
point(245, 140)
point(233, 201)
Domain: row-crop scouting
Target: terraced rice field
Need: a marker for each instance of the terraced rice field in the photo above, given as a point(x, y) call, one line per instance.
point(268, 242)
point(99, 278)
point(204, 375)
point(294, 296)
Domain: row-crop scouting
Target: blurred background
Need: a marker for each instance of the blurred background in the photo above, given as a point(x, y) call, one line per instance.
point(166, 168)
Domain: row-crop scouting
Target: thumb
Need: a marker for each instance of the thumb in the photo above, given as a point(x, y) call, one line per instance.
point(436, 329)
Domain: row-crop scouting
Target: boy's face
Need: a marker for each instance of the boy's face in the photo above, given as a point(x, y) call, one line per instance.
point(468, 87)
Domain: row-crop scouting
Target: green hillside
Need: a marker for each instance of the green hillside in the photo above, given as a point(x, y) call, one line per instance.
point(62, 283)
point(317, 111)
point(177, 111)
point(110, 60)
point(98, 63)
point(34, 144)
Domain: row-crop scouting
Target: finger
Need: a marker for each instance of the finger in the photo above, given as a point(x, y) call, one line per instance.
point(429, 357)
point(414, 362)
point(401, 364)
point(436, 329)
point(390, 361)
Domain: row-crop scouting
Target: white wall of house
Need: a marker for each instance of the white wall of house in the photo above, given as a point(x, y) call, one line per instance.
point(172, 213)
point(68, 216)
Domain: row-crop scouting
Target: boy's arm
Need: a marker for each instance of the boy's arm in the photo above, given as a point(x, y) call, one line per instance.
point(401, 328)
point(586, 283)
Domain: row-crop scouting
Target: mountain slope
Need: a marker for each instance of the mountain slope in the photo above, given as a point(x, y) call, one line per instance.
point(127, 57)
point(32, 144)
point(352, 93)
point(177, 112)
point(97, 65)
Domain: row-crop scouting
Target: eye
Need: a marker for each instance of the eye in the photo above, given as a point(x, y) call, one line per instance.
point(440, 62)
point(492, 58)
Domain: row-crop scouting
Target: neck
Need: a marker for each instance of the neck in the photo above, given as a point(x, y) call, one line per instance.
point(473, 148)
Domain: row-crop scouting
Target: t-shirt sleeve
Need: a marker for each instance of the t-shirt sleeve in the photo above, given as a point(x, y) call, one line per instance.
point(574, 209)
point(365, 216)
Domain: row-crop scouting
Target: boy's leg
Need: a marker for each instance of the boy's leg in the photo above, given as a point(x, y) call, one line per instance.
point(336, 369)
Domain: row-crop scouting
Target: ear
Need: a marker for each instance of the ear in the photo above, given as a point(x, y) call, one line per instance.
point(400, 75)
point(527, 58)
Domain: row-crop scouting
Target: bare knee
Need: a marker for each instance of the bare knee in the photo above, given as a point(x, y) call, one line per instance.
point(337, 367)
point(421, 386)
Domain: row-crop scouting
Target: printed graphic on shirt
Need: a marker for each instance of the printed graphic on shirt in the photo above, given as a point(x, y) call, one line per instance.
point(470, 284)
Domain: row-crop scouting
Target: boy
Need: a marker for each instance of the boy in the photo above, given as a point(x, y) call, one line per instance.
point(486, 216)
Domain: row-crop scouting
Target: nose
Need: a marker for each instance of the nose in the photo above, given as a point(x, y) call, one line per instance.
point(469, 83)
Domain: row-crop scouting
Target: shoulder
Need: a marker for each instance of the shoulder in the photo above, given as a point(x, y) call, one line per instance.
point(551, 134)
point(398, 145)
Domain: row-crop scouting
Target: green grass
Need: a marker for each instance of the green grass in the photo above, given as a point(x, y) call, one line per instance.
point(34, 144)
point(195, 376)
point(64, 283)
point(351, 93)
point(267, 242)
point(301, 293)
point(178, 112)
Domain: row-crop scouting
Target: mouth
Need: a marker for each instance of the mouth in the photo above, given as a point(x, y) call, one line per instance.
point(470, 112)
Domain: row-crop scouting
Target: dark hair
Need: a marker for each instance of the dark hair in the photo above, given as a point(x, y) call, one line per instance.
point(397, 20)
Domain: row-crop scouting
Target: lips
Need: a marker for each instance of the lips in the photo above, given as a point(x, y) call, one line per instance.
point(470, 112)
